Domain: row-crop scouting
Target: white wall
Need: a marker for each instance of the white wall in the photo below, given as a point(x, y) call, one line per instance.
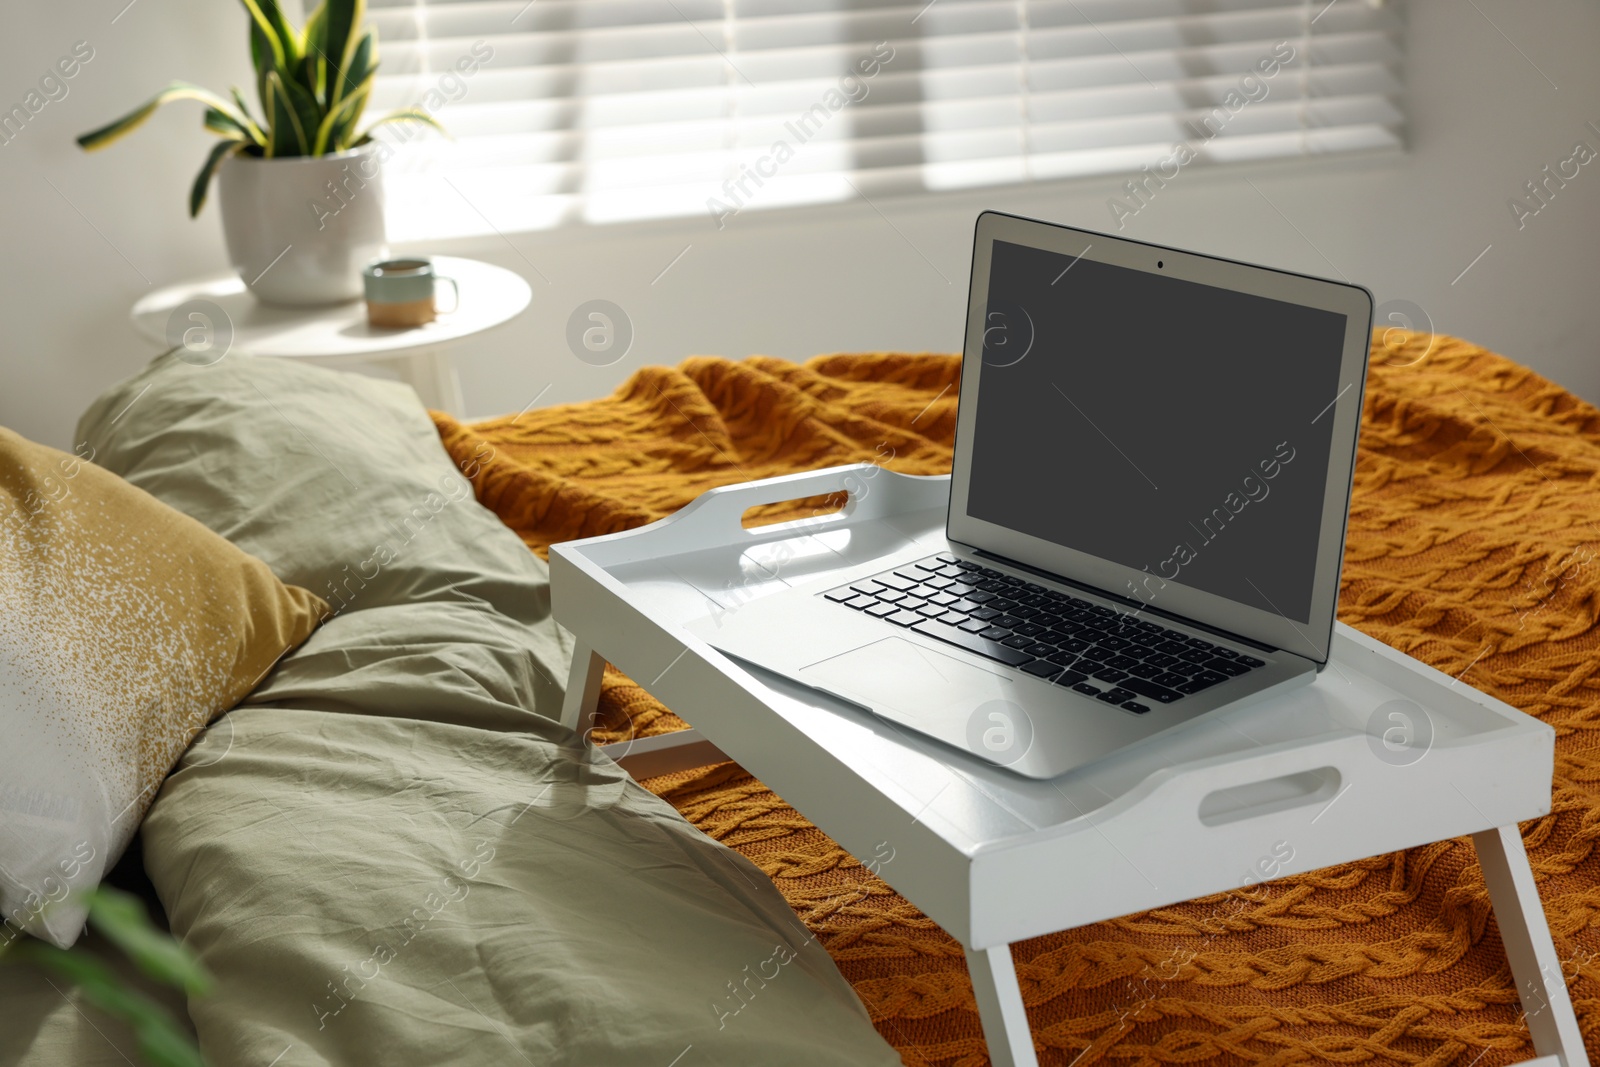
point(792, 283)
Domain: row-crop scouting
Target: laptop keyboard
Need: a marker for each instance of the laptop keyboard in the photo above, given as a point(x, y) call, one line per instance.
point(1049, 634)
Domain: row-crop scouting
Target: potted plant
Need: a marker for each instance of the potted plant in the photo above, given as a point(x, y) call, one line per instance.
point(301, 191)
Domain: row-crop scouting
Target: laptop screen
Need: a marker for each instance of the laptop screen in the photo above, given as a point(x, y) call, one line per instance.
point(1169, 426)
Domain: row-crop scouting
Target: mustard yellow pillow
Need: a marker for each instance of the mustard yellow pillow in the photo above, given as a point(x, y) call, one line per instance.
point(125, 627)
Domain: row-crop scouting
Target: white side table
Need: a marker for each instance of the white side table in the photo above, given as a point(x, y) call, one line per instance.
point(338, 335)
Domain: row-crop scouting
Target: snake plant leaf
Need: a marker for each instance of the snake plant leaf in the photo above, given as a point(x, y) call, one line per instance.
point(223, 126)
point(122, 918)
point(306, 108)
point(276, 35)
point(244, 109)
point(252, 124)
point(334, 133)
point(363, 62)
point(227, 126)
point(261, 59)
point(316, 66)
point(131, 121)
point(355, 87)
point(276, 47)
point(288, 135)
point(344, 131)
point(347, 113)
point(266, 47)
point(342, 38)
point(405, 114)
point(293, 39)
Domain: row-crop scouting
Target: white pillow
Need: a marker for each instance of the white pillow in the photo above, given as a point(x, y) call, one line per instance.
point(125, 627)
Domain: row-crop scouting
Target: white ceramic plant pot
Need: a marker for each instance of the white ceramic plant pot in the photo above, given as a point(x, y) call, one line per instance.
point(300, 229)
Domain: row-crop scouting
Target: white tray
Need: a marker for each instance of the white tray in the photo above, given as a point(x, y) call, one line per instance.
point(995, 858)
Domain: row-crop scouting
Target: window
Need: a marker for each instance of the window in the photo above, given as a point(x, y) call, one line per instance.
point(610, 110)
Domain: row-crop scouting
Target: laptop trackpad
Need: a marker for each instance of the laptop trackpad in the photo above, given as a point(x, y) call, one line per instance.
point(911, 683)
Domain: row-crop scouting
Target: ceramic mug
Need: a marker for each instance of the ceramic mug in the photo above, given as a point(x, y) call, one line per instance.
point(400, 292)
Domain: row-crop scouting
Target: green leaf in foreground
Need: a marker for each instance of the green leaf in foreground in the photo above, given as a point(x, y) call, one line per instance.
point(122, 919)
point(161, 1042)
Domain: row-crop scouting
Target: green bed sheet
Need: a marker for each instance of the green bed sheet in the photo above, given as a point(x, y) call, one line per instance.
point(392, 853)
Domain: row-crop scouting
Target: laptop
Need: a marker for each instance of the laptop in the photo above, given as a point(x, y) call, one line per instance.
point(1154, 451)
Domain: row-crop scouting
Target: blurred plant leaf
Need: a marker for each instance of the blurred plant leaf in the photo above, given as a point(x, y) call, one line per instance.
point(341, 37)
point(122, 919)
point(316, 67)
point(288, 136)
point(225, 125)
point(202, 181)
point(336, 126)
point(268, 37)
point(405, 114)
point(162, 1043)
point(176, 91)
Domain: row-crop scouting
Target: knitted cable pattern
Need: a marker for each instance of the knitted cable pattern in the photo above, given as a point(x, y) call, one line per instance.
point(1473, 535)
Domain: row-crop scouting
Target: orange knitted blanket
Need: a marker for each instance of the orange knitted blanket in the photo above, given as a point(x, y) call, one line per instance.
point(1472, 539)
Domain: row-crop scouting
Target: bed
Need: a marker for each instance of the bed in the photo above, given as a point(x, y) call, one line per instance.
point(400, 742)
point(1472, 548)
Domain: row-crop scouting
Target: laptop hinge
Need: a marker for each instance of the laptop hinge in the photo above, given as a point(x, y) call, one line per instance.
point(1138, 607)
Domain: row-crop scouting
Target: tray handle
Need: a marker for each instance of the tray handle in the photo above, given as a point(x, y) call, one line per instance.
point(872, 491)
point(1226, 790)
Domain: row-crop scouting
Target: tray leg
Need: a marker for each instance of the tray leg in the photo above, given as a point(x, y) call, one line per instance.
point(646, 757)
point(1005, 1021)
point(1535, 967)
point(583, 688)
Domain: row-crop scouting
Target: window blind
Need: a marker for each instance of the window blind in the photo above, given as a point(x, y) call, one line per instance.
point(611, 110)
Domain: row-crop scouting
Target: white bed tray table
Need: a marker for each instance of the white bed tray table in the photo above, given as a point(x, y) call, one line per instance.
point(1380, 753)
